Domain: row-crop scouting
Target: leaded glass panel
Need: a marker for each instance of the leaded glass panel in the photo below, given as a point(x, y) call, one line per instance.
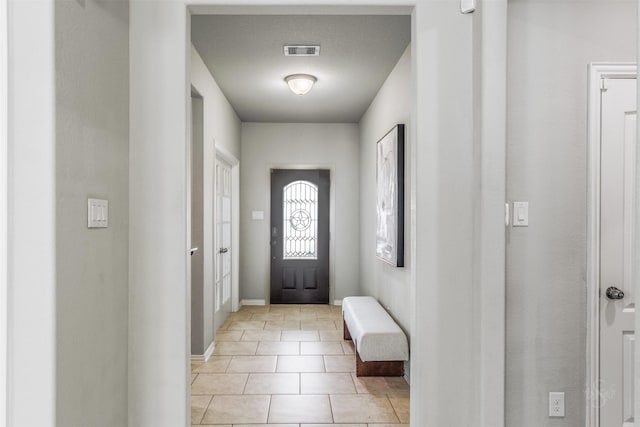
point(300, 220)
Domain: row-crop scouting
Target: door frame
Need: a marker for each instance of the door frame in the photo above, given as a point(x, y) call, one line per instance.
point(332, 215)
point(224, 155)
point(597, 72)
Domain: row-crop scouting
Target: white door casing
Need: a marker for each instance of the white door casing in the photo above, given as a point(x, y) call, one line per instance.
point(611, 195)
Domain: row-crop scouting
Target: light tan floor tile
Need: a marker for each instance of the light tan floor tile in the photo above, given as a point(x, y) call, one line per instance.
point(240, 315)
point(250, 364)
point(193, 377)
point(333, 425)
point(228, 348)
point(382, 386)
point(278, 348)
point(331, 335)
point(199, 405)
point(271, 425)
point(300, 336)
point(348, 347)
point(195, 365)
point(335, 383)
point(362, 408)
point(246, 324)
point(328, 315)
point(300, 409)
point(300, 364)
point(401, 406)
point(219, 384)
point(307, 315)
point(261, 335)
point(244, 409)
point(284, 308)
point(215, 364)
point(340, 363)
point(397, 387)
point(273, 384)
point(321, 347)
point(320, 325)
point(228, 336)
point(267, 316)
point(283, 325)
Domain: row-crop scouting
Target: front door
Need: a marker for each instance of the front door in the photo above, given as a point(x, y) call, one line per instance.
point(299, 236)
point(617, 310)
point(223, 247)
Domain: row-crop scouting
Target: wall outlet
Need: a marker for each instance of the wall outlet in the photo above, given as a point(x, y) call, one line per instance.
point(556, 404)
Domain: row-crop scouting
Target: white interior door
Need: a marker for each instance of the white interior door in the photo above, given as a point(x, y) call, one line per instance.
point(617, 309)
point(223, 239)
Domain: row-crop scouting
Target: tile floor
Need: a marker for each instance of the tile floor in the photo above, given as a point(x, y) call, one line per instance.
point(288, 366)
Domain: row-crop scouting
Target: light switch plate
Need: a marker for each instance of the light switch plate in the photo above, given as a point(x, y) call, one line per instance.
point(257, 215)
point(97, 213)
point(520, 214)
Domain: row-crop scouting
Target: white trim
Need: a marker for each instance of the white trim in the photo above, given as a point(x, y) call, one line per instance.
point(207, 354)
point(337, 302)
point(4, 85)
point(597, 72)
point(252, 302)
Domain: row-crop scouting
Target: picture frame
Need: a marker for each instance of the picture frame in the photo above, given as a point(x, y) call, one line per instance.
point(390, 197)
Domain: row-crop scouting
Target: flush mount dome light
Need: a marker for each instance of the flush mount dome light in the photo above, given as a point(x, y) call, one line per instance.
point(300, 83)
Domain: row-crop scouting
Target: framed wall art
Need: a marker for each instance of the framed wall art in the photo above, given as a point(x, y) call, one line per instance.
point(390, 197)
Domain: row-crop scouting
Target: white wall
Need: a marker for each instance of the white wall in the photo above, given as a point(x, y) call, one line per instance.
point(392, 105)
point(221, 129)
point(159, 243)
point(550, 45)
point(92, 160)
point(32, 232)
point(288, 145)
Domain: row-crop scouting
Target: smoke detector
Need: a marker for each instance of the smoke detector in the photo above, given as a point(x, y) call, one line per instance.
point(297, 50)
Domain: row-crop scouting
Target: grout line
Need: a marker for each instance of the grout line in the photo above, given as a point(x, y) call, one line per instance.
point(205, 410)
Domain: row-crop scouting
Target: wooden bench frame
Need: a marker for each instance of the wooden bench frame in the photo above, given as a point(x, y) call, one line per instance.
point(394, 368)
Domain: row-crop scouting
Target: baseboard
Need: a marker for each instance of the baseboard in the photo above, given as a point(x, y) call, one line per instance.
point(252, 302)
point(337, 302)
point(207, 354)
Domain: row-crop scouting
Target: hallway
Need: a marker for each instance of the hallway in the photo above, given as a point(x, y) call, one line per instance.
point(288, 366)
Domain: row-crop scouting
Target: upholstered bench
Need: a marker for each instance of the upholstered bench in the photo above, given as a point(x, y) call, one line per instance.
point(381, 346)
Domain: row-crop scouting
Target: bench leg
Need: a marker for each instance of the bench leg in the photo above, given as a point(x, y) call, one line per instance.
point(346, 334)
point(379, 369)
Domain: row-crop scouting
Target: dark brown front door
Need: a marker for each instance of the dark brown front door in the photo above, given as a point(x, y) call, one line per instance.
point(299, 236)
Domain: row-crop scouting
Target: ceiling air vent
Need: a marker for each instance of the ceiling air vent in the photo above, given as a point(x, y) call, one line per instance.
point(301, 50)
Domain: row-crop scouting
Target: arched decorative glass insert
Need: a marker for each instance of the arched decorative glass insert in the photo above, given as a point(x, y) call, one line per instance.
point(300, 220)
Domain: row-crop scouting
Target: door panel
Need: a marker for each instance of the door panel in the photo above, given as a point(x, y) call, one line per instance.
point(300, 236)
point(223, 248)
point(617, 316)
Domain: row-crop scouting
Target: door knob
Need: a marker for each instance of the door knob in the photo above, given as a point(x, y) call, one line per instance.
point(193, 251)
point(614, 293)
point(224, 250)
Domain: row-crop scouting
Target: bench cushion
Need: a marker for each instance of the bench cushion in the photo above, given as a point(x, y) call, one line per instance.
point(377, 337)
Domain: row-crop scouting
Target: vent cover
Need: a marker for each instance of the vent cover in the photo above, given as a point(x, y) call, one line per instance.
point(301, 50)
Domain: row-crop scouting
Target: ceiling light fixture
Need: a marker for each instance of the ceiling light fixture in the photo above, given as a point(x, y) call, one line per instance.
point(300, 84)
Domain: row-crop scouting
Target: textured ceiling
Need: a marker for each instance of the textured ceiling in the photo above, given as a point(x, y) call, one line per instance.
point(245, 55)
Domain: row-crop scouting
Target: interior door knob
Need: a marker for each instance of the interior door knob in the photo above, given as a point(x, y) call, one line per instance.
point(614, 293)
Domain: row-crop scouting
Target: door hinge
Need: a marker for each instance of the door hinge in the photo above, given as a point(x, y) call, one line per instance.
point(603, 85)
